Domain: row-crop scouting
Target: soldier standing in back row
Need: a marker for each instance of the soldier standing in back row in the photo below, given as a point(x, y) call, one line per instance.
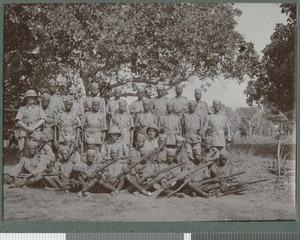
point(217, 125)
point(56, 101)
point(113, 104)
point(50, 115)
point(180, 102)
point(77, 104)
point(193, 125)
point(202, 107)
point(170, 124)
point(159, 102)
point(94, 123)
point(145, 119)
point(87, 103)
point(136, 107)
point(67, 124)
point(123, 120)
point(29, 118)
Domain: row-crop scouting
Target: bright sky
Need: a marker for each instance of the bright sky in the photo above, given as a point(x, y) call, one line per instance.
point(257, 24)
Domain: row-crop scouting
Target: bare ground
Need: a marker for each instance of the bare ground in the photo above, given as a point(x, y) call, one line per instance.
point(271, 200)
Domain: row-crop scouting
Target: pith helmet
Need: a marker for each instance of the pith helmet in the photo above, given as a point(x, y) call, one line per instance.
point(152, 126)
point(114, 130)
point(30, 93)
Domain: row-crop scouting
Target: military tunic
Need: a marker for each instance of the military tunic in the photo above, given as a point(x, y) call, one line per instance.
point(125, 123)
point(151, 143)
point(192, 125)
point(171, 125)
point(120, 144)
point(144, 120)
point(94, 124)
point(67, 123)
point(180, 105)
point(30, 116)
point(37, 164)
point(64, 170)
point(56, 103)
point(159, 105)
point(88, 102)
point(136, 107)
point(78, 108)
point(113, 105)
point(47, 127)
point(202, 109)
point(221, 171)
point(217, 124)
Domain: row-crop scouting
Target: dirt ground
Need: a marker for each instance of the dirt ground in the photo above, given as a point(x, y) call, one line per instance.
point(271, 200)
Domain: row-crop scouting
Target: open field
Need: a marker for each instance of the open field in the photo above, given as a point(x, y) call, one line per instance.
point(271, 200)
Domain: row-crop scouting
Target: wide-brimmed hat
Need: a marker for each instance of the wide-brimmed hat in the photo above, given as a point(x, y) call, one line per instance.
point(154, 127)
point(31, 93)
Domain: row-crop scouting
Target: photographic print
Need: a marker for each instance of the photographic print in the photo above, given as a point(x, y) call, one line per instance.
point(149, 112)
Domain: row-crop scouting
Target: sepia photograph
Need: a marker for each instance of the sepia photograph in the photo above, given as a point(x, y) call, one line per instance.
point(149, 112)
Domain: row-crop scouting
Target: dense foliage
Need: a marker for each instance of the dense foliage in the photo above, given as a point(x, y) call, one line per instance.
point(121, 44)
point(275, 86)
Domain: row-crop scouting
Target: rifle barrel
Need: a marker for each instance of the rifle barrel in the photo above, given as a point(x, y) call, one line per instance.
point(152, 175)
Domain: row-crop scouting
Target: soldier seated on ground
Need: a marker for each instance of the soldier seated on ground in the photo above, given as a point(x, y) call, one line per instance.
point(192, 186)
point(183, 151)
point(151, 139)
point(74, 154)
point(29, 171)
point(112, 179)
point(42, 147)
point(114, 135)
point(87, 171)
point(221, 167)
point(63, 168)
point(136, 174)
point(210, 153)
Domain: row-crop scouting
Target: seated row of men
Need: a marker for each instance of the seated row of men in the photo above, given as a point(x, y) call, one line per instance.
point(144, 168)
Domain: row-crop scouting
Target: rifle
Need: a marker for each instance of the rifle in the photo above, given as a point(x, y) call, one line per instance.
point(107, 165)
point(155, 174)
point(180, 177)
point(42, 145)
point(219, 179)
point(147, 157)
point(237, 185)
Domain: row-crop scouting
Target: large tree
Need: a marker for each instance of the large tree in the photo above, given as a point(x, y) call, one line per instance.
point(121, 44)
point(275, 86)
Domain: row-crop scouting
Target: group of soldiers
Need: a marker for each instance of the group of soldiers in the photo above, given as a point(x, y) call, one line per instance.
point(152, 146)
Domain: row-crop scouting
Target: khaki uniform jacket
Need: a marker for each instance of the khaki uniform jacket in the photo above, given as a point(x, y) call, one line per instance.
point(47, 127)
point(171, 126)
point(159, 105)
point(56, 103)
point(180, 105)
point(88, 101)
point(67, 123)
point(218, 124)
point(191, 124)
point(144, 120)
point(120, 144)
point(125, 123)
point(29, 116)
point(94, 124)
